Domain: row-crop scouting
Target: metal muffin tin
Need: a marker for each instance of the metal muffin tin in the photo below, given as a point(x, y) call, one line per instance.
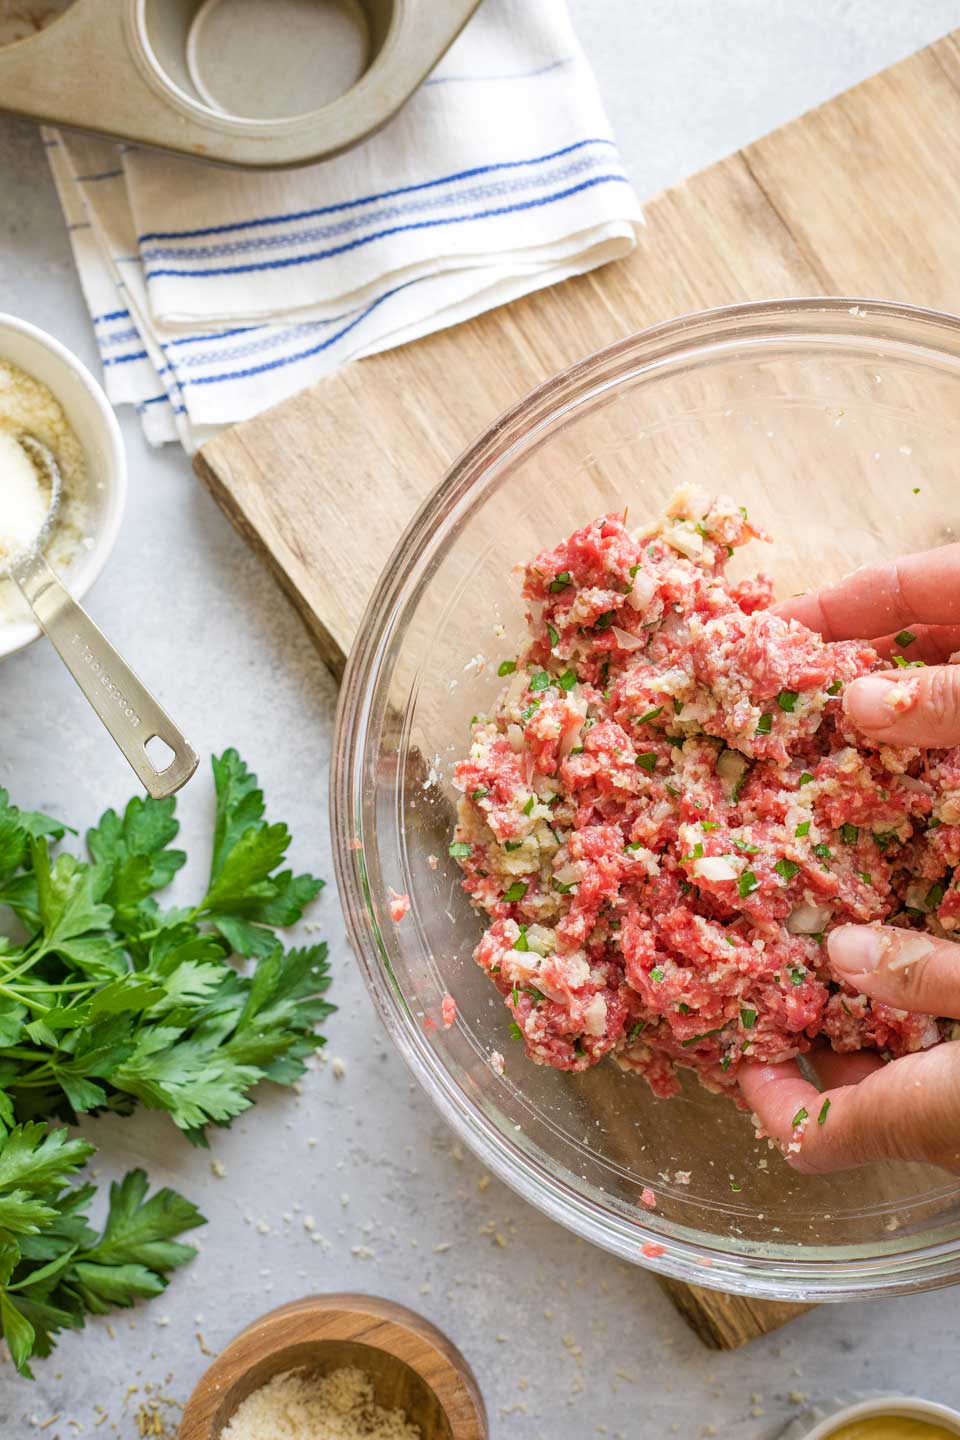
point(118, 68)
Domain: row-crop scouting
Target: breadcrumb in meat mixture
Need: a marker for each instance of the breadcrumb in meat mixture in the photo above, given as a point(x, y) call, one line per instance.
point(668, 808)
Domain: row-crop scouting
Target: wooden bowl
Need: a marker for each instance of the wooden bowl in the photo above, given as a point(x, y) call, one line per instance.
point(412, 1365)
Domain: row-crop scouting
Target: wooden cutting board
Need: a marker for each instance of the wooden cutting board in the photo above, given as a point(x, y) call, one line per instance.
point(860, 197)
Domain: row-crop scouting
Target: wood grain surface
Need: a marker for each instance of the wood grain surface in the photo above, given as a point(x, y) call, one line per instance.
point(857, 197)
point(724, 1322)
point(413, 1366)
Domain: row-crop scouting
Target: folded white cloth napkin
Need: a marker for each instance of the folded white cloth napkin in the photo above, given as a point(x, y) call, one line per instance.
point(216, 293)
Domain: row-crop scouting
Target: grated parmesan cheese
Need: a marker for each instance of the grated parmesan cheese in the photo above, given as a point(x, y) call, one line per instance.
point(27, 406)
point(302, 1406)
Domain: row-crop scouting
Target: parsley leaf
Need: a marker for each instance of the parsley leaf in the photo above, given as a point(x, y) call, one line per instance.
point(55, 1269)
point(111, 1000)
point(245, 895)
point(787, 869)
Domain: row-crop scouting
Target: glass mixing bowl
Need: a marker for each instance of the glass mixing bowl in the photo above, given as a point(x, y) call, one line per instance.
point(838, 423)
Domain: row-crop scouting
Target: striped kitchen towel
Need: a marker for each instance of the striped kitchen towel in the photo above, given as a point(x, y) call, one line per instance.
point(216, 293)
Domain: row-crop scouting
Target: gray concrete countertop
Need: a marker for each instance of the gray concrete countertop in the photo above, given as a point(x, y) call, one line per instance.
point(567, 1342)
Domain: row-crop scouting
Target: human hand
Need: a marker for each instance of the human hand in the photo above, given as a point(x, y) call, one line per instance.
point(908, 607)
point(908, 1109)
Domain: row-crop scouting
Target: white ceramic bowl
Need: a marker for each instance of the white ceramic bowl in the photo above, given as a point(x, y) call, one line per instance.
point(90, 414)
point(905, 1407)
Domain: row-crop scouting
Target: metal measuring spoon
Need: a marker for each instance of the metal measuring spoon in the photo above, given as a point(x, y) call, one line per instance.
point(125, 706)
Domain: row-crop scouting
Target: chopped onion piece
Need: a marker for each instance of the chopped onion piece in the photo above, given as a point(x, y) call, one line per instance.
point(542, 939)
point(644, 589)
point(808, 919)
point(519, 681)
point(916, 894)
point(569, 740)
point(694, 710)
point(731, 767)
point(595, 1015)
point(626, 641)
point(685, 539)
point(689, 502)
point(515, 736)
point(715, 867)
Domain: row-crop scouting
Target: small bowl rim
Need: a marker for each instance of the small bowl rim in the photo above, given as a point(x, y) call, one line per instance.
point(911, 1407)
point(267, 1335)
point(24, 633)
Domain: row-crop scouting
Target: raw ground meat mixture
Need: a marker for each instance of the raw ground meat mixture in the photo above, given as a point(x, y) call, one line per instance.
point(668, 808)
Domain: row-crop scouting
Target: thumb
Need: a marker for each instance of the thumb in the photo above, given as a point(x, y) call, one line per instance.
point(903, 968)
point(908, 707)
point(907, 1110)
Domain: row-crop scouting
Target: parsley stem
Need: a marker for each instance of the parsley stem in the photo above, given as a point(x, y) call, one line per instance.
point(60, 989)
point(35, 1078)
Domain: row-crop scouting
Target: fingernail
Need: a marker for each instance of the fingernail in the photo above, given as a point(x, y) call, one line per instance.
point(861, 949)
point(875, 703)
point(904, 952)
point(855, 949)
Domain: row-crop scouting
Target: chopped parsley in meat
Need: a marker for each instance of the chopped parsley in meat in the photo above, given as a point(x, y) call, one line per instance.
point(668, 809)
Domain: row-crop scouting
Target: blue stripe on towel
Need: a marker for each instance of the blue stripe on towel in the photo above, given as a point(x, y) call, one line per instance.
point(119, 337)
point(286, 239)
point(124, 359)
point(208, 335)
point(383, 234)
point(265, 337)
point(284, 360)
point(284, 217)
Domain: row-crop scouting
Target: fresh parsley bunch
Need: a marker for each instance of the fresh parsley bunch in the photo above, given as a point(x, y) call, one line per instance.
point(108, 999)
point(55, 1269)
